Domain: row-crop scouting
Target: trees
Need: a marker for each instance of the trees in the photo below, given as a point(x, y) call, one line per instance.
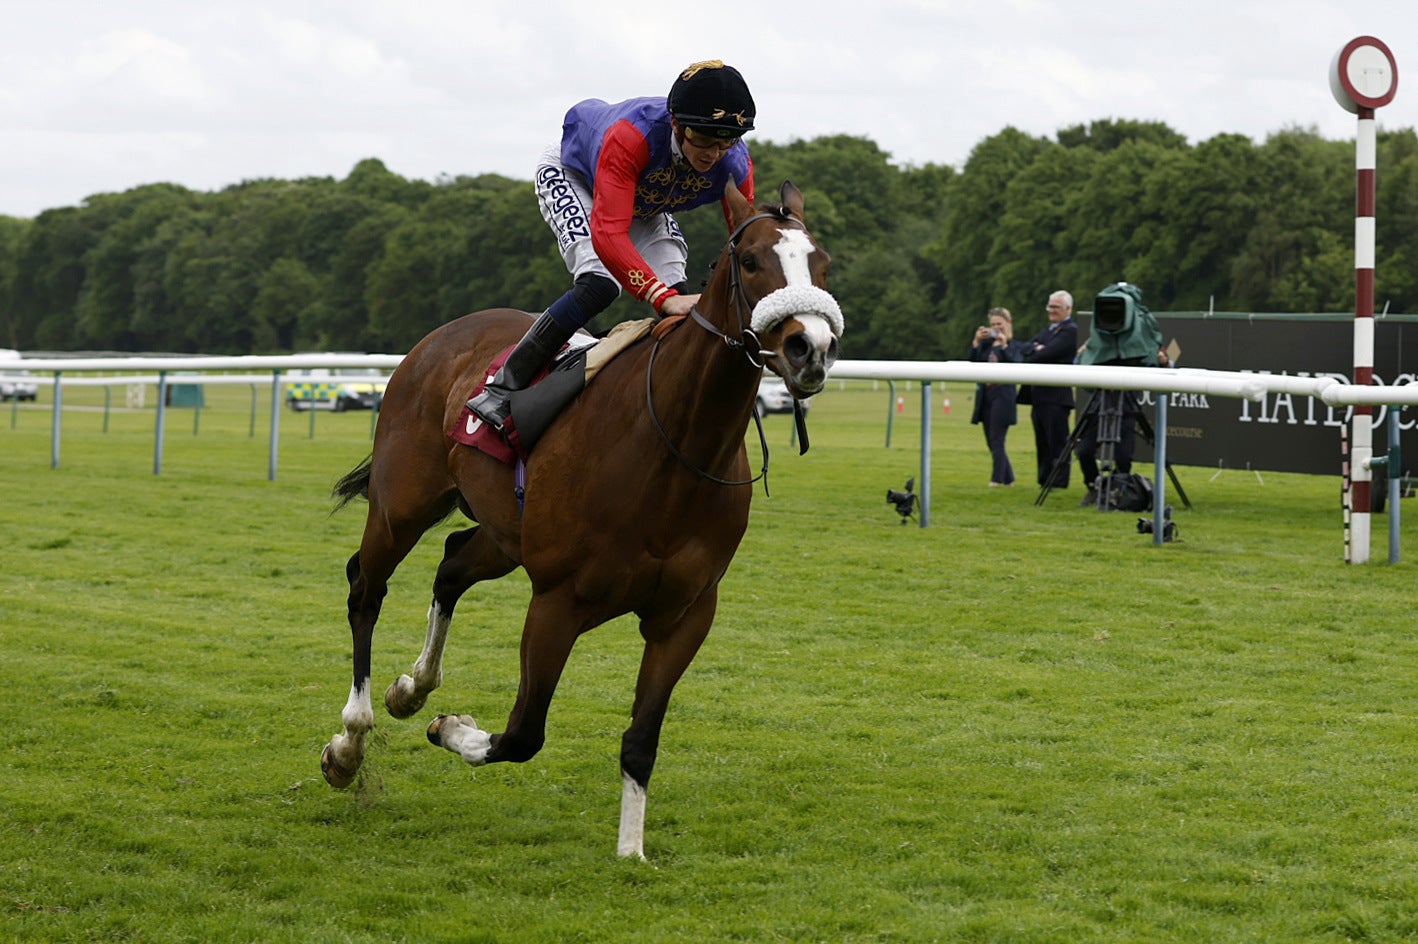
point(12, 233)
point(1209, 198)
point(1396, 274)
point(966, 253)
point(374, 261)
point(49, 274)
point(1298, 254)
point(106, 311)
point(1029, 255)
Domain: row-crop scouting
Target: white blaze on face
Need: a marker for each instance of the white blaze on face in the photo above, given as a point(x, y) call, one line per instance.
point(793, 250)
point(814, 308)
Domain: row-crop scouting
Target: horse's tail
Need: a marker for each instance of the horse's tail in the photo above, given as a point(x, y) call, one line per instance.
point(355, 484)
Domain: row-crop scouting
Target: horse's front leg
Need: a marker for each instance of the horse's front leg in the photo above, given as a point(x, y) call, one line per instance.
point(669, 648)
point(468, 557)
point(550, 631)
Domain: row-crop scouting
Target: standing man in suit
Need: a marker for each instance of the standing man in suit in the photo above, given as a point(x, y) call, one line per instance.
point(1056, 344)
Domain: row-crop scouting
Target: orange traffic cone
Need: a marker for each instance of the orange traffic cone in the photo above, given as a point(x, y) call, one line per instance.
point(946, 405)
point(900, 404)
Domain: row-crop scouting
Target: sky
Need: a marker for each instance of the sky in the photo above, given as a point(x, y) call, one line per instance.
point(100, 97)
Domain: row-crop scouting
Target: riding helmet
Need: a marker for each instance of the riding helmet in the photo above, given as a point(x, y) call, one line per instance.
point(713, 98)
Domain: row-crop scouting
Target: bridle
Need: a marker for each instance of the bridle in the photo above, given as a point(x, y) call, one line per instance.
point(747, 342)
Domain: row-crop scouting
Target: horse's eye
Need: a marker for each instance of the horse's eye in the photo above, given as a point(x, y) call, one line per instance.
point(749, 263)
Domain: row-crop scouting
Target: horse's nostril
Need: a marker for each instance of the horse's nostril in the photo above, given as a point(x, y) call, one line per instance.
point(797, 349)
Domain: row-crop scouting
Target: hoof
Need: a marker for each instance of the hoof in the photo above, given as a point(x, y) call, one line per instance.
point(461, 735)
point(398, 705)
point(335, 775)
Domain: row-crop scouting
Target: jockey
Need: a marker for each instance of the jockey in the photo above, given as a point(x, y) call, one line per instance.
point(607, 191)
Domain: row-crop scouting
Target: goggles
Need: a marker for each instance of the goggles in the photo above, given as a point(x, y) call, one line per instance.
point(707, 142)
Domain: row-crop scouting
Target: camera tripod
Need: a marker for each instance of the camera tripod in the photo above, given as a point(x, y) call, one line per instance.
point(1104, 410)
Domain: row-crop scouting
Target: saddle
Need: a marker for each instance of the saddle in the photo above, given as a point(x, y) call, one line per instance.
point(556, 385)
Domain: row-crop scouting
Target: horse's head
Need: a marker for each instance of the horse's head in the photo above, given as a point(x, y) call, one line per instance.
point(781, 276)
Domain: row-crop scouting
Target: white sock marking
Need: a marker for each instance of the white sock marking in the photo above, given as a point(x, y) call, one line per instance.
point(358, 714)
point(428, 669)
point(461, 735)
point(632, 817)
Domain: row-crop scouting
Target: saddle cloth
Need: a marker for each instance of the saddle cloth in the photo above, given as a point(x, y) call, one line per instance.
point(534, 408)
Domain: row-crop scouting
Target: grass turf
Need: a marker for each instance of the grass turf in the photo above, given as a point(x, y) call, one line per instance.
point(1019, 724)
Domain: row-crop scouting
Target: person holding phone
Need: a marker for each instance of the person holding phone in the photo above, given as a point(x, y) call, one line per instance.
point(995, 409)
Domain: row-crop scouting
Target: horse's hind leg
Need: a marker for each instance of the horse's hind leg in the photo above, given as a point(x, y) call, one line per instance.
point(342, 757)
point(384, 545)
point(468, 557)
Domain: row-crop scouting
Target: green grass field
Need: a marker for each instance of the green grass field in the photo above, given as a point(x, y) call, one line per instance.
point(1020, 724)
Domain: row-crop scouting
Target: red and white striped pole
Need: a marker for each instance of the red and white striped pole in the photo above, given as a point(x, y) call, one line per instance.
point(1362, 439)
point(1363, 77)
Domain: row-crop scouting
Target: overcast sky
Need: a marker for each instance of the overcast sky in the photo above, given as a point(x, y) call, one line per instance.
point(100, 96)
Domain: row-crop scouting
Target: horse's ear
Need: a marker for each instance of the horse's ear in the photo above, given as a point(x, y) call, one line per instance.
point(739, 207)
point(792, 198)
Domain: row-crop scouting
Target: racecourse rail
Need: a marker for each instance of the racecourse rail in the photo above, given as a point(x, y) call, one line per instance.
point(1250, 386)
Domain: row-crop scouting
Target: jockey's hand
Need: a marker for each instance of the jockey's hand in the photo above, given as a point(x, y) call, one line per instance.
point(678, 305)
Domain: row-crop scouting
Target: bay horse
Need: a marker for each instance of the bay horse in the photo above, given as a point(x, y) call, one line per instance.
point(635, 499)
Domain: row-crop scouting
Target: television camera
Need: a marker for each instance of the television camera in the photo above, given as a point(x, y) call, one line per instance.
point(1125, 333)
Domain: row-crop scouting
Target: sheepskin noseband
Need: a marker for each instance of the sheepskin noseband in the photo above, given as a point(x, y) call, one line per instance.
point(792, 300)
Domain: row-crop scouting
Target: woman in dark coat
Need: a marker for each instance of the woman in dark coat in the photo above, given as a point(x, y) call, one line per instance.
point(995, 403)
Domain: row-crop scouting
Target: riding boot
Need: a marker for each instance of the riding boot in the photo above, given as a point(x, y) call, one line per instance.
point(531, 354)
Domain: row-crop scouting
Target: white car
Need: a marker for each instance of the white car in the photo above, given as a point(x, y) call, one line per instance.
point(773, 396)
point(14, 384)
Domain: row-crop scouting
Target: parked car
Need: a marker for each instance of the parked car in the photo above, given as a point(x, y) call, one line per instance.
point(14, 387)
point(773, 396)
point(13, 382)
point(338, 389)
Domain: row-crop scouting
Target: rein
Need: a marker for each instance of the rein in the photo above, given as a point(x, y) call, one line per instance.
point(747, 342)
point(674, 451)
